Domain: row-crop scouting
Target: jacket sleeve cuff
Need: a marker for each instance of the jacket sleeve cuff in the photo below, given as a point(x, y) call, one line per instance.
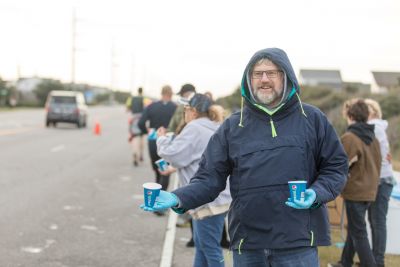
point(178, 208)
point(315, 205)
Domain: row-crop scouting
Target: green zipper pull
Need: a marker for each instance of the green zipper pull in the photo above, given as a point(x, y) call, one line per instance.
point(312, 238)
point(240, 244)
point(273, 131)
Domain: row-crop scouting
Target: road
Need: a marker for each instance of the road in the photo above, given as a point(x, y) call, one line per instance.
point(70, 198)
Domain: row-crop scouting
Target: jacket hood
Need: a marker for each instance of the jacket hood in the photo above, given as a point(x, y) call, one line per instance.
point(206, 123)
point(364, 131)
point(278, 57)
point(291, 85)
point(381, 124)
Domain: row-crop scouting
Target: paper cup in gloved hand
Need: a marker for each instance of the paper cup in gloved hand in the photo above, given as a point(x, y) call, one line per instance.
point(152, 134)
point(151, 192)
point(162, 165)
point(297, 189)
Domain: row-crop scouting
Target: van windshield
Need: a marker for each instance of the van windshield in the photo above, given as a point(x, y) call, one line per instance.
point(63, 100)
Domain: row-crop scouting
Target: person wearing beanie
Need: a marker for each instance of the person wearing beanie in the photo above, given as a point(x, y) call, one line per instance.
point(274, 139)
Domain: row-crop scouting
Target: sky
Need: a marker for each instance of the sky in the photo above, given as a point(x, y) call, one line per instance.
point(132, 43)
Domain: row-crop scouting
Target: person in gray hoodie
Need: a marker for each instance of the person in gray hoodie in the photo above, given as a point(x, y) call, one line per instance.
point(378, 210)
point(184, 152)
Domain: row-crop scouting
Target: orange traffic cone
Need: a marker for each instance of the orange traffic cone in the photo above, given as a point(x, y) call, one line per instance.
point(97, 128)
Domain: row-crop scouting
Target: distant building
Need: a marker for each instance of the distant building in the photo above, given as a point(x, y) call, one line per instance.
point(384, 81)
point(324, 78)
point(357, 86)
point(27, 84)
point(26, 87)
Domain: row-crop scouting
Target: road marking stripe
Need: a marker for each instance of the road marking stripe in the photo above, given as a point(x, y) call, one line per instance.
point(14, 131)
point(168, 249)
point(57, 148)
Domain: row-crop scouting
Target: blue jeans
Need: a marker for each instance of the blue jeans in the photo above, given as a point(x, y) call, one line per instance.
point(377, 219)
point(293, 257)
point(207, 235)
point(357, 237)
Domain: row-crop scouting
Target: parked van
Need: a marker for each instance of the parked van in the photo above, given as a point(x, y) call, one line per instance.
point(66, 106)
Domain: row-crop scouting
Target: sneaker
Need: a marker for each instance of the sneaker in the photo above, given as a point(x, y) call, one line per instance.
point(135, 161)
point(337, 264)
point(182, 224)
point(190, 243)
point(159, 213)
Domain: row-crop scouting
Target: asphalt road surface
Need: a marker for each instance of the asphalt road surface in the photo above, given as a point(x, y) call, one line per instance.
point(69, 197)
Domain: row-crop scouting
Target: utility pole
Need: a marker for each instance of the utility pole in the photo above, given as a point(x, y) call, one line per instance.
point(113, 65)
point(18, 71)
point(132, 74)
point(73, 46)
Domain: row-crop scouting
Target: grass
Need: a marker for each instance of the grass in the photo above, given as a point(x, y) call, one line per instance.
point(7, 108)
point(396, 164)
point(333, 253)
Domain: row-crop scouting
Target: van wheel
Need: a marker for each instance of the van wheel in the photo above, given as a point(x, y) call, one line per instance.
point(47, 123)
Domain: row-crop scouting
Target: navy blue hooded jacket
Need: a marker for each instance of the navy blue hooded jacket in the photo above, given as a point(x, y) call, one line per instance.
point(259, 165)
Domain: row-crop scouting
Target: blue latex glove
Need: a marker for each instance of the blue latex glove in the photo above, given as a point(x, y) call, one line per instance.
point(309, 198)
point(164, 201)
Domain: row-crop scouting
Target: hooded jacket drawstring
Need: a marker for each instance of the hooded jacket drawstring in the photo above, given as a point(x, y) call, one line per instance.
point(273, 130)
point(301, 105)
point(241, 113)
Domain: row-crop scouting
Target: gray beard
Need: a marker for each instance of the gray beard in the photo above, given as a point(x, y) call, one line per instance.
point(266, 99)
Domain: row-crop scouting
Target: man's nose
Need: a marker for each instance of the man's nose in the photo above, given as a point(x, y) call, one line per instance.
point(264, 77)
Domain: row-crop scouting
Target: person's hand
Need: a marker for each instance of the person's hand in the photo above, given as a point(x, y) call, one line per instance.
point(168, 171)
point(161, 131)
point(164, 201)
point(309, 198)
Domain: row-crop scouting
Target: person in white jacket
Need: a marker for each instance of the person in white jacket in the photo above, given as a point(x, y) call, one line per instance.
point(184, 152)
point(378, 210)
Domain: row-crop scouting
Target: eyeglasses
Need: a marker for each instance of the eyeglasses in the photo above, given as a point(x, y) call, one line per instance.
point(270, 74)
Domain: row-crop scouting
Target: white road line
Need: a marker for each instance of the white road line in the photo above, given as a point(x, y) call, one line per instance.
point(137, 196)
point(4, 132)
point(168, 249)
point(57, 148)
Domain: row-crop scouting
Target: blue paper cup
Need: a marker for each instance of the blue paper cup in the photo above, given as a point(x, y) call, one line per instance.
point(297, 189)
point(152, 134)
point(161, 164)
point(151, 192)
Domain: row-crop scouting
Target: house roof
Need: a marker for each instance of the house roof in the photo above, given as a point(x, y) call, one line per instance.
point(387, 79)
point(321, 76)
